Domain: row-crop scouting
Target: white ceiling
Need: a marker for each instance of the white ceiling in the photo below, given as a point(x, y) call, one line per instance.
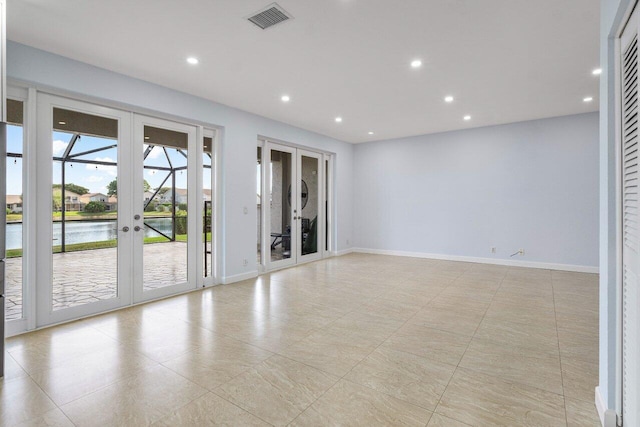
point(503, 60)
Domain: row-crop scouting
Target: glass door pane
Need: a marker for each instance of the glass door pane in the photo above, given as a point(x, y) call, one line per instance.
point(207, 196)
point(15, 211)
point(309, 203)
point(165, 207)
point(282, 211)
point(85, 208)
point(166, 237)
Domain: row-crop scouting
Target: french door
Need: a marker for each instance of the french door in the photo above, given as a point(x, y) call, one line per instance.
point(164, 234)
point(294, 221)
point(112, 221)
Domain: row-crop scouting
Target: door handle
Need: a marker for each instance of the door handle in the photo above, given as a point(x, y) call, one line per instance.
point(125, 229)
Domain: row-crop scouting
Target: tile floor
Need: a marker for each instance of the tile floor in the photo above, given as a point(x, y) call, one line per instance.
point(356, 340)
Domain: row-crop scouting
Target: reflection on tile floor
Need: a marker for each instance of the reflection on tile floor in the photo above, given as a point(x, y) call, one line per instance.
point(355, 340)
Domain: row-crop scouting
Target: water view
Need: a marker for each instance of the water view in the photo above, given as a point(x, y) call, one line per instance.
point(86, 231)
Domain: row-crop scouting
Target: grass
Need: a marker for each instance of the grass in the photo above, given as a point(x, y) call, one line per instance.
point(76, 247)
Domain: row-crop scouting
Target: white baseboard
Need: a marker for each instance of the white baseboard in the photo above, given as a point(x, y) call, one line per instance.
point(507, 262)
point(239, 277)
point(344, 252)
point(608, 417)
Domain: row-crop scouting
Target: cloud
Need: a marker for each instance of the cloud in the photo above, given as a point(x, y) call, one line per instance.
point(111, 170)
point(94, 178)
point(59, 147)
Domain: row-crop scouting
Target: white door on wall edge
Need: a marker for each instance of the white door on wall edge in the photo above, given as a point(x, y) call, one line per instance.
point(630, 145)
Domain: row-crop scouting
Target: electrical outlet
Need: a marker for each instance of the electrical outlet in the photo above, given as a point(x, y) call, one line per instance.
point(245, 262)
point(493, 249)
point(347, 241)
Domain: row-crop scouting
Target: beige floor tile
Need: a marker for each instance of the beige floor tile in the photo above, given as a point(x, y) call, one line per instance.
point(482, 400)
point(53, 418)
point(365, 326)
point(433, 344)
point(520, 335)
point(85, 374)
point(21, 400)
point(581, 413)
point(405, 376)
point(331, 352)
point(438, 420)
point(579, 345)
point(277, 390)
point(580, 378)
point(210, 410)
point(536, 368)
point(390, 309)
point(12, 369)
point(55, 349)
point(460, 321)
point(212, 365)
point(140, 400)
point(349, 404)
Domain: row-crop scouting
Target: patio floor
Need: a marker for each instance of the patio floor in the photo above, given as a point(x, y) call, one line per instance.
point(89, 276)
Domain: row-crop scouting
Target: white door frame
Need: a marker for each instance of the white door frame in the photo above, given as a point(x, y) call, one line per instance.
point(194, 199)
point(44, 233)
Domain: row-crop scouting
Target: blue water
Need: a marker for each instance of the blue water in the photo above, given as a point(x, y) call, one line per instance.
point(86, 231)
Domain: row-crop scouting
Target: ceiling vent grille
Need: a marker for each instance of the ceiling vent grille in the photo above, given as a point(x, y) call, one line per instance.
point(270, 16)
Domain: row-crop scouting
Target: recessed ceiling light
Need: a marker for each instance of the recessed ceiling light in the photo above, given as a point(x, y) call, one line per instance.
point(370, 133)
point(338, 119)
point(285, 98)
point(62, 123)
point(448, 98)
point(597, 71)
point(192, 60)
point(416, 63)
point(467, 118)
point(588, 99)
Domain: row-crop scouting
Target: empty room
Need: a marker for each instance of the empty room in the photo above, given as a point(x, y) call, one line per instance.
point(303, 213)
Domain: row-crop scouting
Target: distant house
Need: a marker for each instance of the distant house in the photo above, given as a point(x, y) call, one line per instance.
point(110, 203)
point(206, 194)
point(72, 200)
point(14, 203)
point(167, 196)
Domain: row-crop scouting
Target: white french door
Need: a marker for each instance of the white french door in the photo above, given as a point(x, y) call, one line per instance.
point(294, 198)
point(83, 245)
point(165, 238)
point(114, 193)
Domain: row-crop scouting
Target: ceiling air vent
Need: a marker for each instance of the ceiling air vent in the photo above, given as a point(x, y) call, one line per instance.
point(270, 16)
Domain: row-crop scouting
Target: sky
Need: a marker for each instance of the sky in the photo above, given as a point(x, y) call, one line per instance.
point(95, 177)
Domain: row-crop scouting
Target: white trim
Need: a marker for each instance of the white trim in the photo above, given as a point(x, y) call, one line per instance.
point(239, 277)
point(607, 417)
point(345, 252)
point(507, 262)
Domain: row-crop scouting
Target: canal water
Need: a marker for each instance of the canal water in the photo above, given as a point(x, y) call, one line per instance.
point(86, 231)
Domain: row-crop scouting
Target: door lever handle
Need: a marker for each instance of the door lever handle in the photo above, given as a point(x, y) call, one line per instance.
point(137, 228)
point(125, 229)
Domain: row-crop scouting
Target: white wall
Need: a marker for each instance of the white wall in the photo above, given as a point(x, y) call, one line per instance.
point(530, 185)
point(239, 139)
